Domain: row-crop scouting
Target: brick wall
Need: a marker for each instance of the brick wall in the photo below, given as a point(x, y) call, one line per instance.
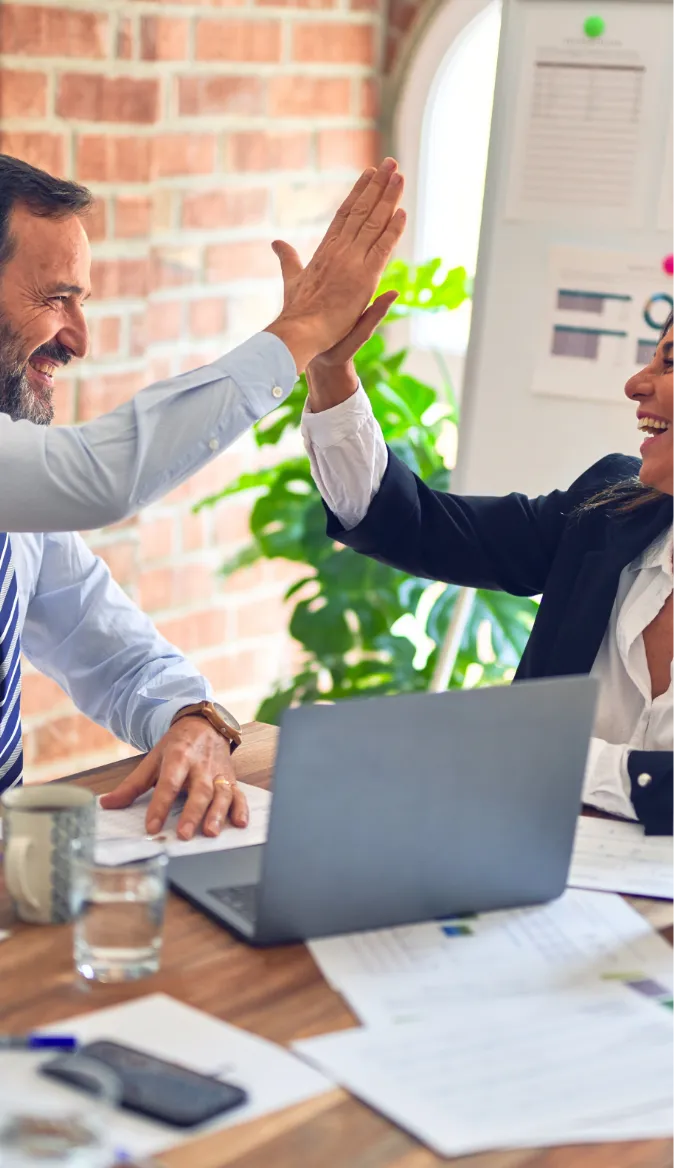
point(205, 130)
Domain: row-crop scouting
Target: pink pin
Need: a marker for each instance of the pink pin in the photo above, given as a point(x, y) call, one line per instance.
point(668, 264)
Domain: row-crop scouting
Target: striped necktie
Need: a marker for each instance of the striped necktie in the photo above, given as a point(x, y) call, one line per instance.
point(11, 753)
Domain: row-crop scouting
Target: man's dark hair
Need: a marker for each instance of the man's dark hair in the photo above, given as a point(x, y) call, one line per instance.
point(41, 193)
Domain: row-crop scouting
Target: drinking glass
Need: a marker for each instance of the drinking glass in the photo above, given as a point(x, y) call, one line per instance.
point(51, 1132)
point(118, 901)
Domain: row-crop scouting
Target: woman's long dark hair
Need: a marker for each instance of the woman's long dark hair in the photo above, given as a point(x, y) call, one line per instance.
point(630, 493)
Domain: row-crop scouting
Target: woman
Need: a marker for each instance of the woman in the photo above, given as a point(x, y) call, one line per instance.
point(600, 553)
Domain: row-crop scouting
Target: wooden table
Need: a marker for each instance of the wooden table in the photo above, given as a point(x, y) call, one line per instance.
point(276, 993)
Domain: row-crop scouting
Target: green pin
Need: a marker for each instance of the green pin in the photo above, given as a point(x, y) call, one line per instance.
point(594, 26)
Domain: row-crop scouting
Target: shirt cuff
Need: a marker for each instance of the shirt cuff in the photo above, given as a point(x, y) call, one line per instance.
point(331, 427)
point(607, 782)
point(264, 370)
point(160, 719)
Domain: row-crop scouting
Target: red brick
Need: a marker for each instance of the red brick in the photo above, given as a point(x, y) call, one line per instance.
point(111, 159)
point(99, 395)
point(44, 150)
point(199, 630)
point(304, 204)
point(157, 539)
point(125, 39)
point(248, 41)
point(194, 531)
point(207, 318)
point(261, 619)
point(175, 154)
point(225, 208)
point(121, 558)
point(133, 216)
point(354, 149)
point(64, 402)
point(96, 221)
point(255, 150)
point(164, 320)
point(162, 588)
point(240, 260)
point(107, 336)
point(61, 738)
point(305, 97)
point(112, 279)
point(220, 95)
point(370, 98)
point(52, 32)
point(197, 358)
point(233, 671)
point(231, 523)
point(92, 98)
point(296, 3)
point(339, 44)
point(23, 94)
point(203, 3)
point(39, 694)
point(174, 266)
point(163, 38)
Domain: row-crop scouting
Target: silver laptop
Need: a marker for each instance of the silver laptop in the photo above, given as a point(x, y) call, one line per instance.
point(392, 810)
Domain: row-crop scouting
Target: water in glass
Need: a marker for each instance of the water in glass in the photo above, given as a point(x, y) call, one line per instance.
point(119, 912)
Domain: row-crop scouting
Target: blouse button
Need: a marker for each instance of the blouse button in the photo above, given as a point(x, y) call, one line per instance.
point(644, 780)
point(277, 392)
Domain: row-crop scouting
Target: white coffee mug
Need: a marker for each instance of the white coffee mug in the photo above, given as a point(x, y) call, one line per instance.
point(39, 825)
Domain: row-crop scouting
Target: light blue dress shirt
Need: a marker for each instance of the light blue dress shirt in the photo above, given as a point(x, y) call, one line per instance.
point(72, 478)
point(77, 625)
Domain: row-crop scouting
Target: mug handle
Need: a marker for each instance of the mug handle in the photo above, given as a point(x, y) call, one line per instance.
point(16, 866)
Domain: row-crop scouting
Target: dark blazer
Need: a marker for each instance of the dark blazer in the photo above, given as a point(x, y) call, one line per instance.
point(527, 547)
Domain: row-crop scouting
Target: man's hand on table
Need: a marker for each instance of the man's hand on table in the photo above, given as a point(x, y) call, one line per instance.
point(193, 757)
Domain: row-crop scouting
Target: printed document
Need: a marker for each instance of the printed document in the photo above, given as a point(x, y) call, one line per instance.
point(618, 857)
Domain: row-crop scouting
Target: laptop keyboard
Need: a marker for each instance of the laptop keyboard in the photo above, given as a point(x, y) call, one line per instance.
point(242, 898)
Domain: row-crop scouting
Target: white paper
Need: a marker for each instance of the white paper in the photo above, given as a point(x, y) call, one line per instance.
point(161, 1026)
point(582, 940)
point(603, 311)
point(487, 1075)
point(618, 857)
point(129, 825)
point(585, 114)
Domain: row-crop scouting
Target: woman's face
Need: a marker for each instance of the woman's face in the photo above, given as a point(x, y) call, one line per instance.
point(651, 389)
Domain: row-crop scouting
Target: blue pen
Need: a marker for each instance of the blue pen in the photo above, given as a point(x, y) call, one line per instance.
point(37, 1042)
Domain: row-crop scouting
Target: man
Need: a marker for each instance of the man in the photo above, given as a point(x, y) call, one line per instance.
point(57, 600)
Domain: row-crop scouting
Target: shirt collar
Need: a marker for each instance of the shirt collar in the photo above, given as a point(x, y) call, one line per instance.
point(658, 554)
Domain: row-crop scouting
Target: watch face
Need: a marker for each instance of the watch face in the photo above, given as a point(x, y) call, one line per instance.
point(227, 718)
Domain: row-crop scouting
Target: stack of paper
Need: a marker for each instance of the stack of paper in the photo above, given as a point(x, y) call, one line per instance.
point(617, 857)
point(584, 939)
point(128, 826)
point(566, 1069)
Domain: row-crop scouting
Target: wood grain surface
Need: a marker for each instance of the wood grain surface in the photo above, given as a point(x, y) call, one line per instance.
point(276, 993)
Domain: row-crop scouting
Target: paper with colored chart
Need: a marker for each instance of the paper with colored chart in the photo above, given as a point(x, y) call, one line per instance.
point(127, 827)
point(583, 940)
point(618, 857)
point(512, 1073)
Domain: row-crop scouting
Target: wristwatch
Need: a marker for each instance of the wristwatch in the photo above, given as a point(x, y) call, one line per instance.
point(219, 718)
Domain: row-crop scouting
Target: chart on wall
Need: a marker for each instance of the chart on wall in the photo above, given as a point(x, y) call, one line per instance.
point(585, 108)
point(604, 313)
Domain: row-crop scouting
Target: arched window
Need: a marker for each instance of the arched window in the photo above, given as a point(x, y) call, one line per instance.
point(448, 96)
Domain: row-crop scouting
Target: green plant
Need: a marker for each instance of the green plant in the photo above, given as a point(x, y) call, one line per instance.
point(365, 628)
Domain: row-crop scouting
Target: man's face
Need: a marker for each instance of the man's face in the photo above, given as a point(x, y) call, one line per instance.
point(42, 327)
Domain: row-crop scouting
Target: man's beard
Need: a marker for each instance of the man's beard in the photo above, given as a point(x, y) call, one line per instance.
point(17, 397)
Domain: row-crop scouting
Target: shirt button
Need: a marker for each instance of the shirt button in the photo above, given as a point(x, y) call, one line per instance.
point(644, 780)
point(213, 444)
point(277, 392)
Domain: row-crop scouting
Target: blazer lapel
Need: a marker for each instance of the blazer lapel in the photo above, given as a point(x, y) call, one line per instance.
point(589, 609)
